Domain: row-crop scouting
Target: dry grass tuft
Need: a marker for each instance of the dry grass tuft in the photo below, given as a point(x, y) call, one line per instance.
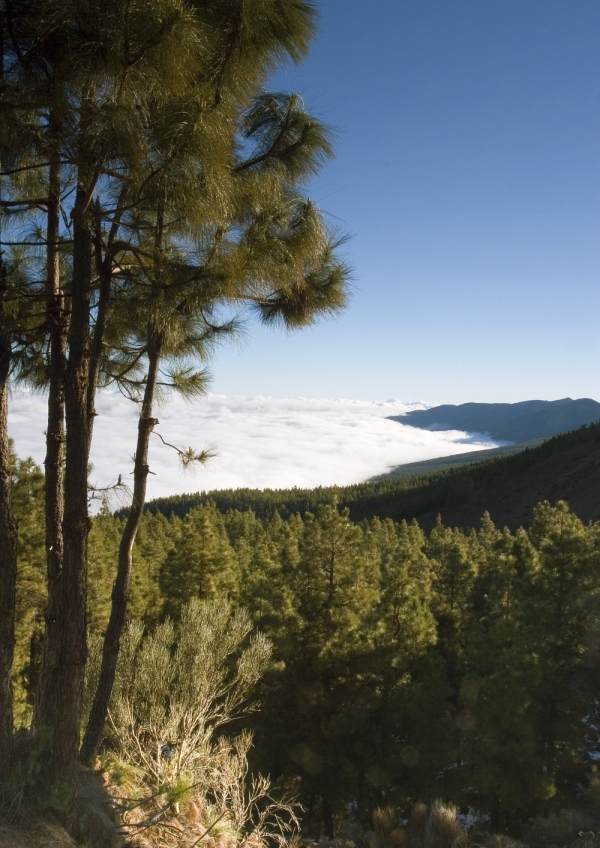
point(443, 830)
point(499, 840)
point(436, 827)
point(417, 824)
point(385, 833)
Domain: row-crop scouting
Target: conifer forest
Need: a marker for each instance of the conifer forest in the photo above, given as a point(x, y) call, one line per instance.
point(243, 669)
point(404, 665)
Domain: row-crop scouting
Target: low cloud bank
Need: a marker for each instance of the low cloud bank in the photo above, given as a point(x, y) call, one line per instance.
point(261, 442)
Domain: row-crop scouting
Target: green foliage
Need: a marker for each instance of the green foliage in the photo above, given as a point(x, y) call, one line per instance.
point(202, 564)
point(175, 687)
point(122, 772)
point(160, 190)
point(559, 829)
point(104, 540)
point(410, 663)
point(405, 663)
point(176, 690)
point(61, 795)
point(156, 539)
point(28, 504)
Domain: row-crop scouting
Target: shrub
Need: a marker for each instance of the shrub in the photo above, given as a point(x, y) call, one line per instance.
point(174, 771)
point(558, 830)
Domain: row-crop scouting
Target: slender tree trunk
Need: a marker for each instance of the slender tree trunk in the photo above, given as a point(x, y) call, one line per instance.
point(8, 550)
point(71, 655)
point(495, 815)
point(120, 592)
point(8, 525)
point(45, 709)
point(327, 811)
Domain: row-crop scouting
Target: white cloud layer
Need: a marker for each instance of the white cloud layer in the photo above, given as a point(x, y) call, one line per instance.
point(262, 442)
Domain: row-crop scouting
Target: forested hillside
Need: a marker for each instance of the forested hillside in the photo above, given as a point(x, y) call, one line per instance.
point(441, 463)
point(565, 467)
point(407, 665)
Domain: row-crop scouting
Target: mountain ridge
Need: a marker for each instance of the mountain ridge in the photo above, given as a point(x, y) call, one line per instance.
point(507, 422)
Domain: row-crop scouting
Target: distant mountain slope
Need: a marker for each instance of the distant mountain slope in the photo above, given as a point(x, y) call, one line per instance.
point(442, 463)
point(565, 467)
point(572, 475)
point(507, 422)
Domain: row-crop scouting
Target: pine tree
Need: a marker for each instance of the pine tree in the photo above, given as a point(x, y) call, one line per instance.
point(407, 630)
point(561, 600)
point(322, 699)
point(105, 535)
point(258, 239)
point(116, 97)
point(497, 743)
point(8, 540)
point(157, 537)
point(202, 566)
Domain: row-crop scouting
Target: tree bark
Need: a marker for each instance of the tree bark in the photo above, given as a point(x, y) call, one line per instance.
point(45, 708)
point(72, 645)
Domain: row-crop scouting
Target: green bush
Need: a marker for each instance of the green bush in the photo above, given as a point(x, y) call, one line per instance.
point(176, 690)
point(558, 830)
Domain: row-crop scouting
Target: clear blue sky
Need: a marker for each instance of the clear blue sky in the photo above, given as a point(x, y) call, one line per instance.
point(468, 176)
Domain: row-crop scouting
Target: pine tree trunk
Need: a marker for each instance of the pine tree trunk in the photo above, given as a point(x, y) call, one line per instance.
point(327, 818)
point(8, 550)
point(120, 592)
point(72, 646)
point(8, 527)
point(45, 709)
point(495, 813)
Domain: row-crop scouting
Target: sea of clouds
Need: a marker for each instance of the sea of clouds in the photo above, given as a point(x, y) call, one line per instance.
point(261, 442)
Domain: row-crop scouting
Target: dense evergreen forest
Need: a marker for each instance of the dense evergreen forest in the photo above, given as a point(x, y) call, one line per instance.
point(397, 498)
point(407, 664)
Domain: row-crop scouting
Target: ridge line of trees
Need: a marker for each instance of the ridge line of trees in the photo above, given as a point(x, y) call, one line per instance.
point(397, 498)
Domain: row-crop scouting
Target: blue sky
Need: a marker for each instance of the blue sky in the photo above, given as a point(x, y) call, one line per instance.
point(467, 173)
